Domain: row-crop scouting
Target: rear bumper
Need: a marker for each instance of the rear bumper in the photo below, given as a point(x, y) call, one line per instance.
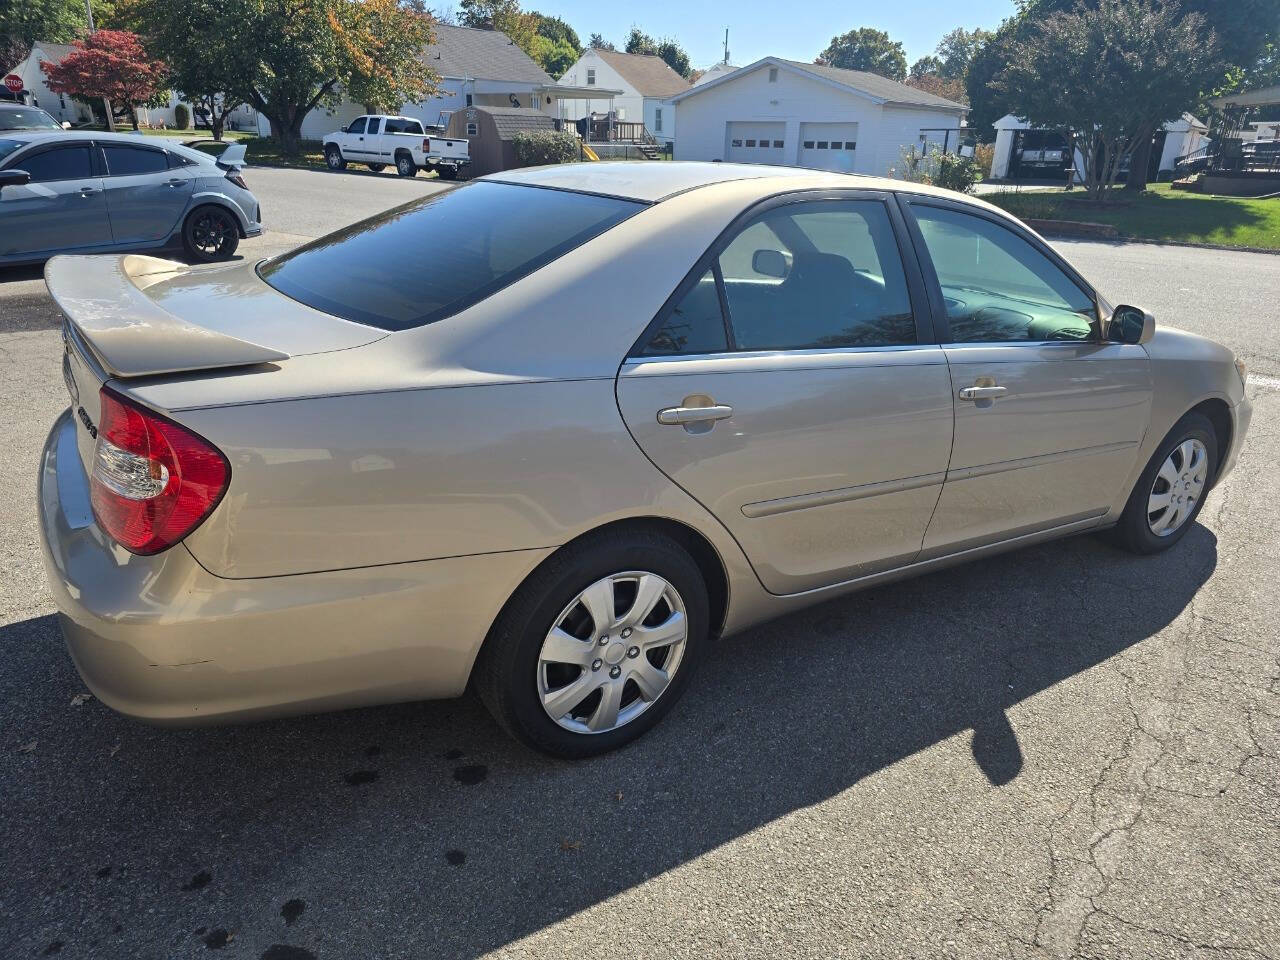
point(161, 639)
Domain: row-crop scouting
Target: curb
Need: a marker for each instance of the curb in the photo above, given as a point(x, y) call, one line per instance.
point(1074, 228)
point(1119, 240)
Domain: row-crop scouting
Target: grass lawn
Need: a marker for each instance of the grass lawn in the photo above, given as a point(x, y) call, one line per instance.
point(266, 152)
point(176, 134)
point(1161, 214)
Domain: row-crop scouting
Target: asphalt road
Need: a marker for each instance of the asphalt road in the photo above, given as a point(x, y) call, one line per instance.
point(1066, 751)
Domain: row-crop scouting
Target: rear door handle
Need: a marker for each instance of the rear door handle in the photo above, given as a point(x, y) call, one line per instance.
point(680, 415)
point(982, 393)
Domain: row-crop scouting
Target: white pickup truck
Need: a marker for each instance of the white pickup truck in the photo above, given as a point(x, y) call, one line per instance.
point(377, 140)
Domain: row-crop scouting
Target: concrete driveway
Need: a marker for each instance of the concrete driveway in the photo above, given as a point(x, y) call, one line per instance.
point(1066, 751)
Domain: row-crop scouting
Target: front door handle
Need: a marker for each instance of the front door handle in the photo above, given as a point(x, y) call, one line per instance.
point(683, 415)
point(176, 182)
point(87, 191)
point(982, 393)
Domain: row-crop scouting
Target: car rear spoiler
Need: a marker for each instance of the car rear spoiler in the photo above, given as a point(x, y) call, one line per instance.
point(130, 334)
point(232, 158)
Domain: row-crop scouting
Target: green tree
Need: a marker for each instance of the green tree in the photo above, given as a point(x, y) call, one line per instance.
point(202, 47)
point(381, 43)
point(929, 66)
point(866, 49)
point(23, 22)
point(668, 49)
point(956, 51)
point(553, 28)
point(597, 42)
point(1109, 77)
point(988, 103)
point(556, 46)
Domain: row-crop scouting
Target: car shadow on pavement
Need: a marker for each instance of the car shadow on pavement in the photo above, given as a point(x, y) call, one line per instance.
point(419, 829)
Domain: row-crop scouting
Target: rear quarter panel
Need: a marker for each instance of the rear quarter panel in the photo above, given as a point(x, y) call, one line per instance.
point(378, 478)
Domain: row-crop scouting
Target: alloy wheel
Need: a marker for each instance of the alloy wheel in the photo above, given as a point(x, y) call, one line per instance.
point(612, 652)
point(211, 233)
point(1178, 487)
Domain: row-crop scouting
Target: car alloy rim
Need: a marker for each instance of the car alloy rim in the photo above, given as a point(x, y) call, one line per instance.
point(334, 159)
point(210, 233)
point(405, 165)
point(1178, 487)
point(612, 652)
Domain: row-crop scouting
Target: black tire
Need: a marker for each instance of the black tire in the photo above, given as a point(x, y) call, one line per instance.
point(405, 166)
point(1134, 531)
point(210, 233)
point(447, 173)
point(506, 675)
point(376, 167)
point(333, 158)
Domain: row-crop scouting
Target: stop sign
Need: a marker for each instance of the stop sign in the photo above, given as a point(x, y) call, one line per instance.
point(13, 82)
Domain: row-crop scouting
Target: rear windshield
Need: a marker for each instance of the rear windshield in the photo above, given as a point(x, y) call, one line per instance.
point(431, 258)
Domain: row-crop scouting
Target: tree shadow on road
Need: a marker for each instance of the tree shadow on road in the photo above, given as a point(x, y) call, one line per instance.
point(419, 828)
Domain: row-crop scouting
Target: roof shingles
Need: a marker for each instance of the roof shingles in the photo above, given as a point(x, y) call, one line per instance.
point(465, 52)
point(650, 75)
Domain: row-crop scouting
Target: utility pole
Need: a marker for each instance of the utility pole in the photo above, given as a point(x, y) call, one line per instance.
point(726, 43)
point(88, 10)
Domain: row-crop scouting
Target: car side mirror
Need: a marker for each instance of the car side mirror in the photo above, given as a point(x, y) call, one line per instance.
point(769, 263)
point(1131, 325)
point(14, 178)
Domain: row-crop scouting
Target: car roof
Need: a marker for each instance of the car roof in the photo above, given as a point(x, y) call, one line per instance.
point(651, 181)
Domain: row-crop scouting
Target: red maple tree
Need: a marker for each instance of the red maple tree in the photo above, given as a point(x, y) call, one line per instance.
point(111, 64)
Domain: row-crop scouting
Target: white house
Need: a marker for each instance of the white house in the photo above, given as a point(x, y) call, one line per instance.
point(476, 67)
point(1177, 138)
point(37, 91)
point(713, 73)
point(646, 83)
point(801, 114)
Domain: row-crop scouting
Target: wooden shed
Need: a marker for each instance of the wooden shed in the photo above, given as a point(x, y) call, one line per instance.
point(489, 131)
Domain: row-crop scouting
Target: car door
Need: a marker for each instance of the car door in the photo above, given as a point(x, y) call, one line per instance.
point(61, 209)
point(1049, 418)
point(374, 141)
point(145, 197)
point(791, 386)
point(353, 145)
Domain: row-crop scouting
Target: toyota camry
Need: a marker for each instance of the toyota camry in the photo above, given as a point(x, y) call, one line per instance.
point(549, 433)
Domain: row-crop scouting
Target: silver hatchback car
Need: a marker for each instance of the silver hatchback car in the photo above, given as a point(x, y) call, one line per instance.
point(64, 192)
point(550, 432)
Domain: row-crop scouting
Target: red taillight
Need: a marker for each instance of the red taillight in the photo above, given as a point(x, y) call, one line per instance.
point(238, 180)
point(426, 144)
point(153, 481)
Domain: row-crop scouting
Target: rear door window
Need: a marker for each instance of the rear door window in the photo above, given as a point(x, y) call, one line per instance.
point(127, 161)
point(433, 257)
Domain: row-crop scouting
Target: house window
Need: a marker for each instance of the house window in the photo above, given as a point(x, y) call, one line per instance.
point(751, 143)
point(808, 144)
point(737, 143)
point(777, 144)
point(851, 145)
point(773, 74)
point(657, 119)
point(473, 130)
point(591, 76)
point(822, 144)
point(468, 99)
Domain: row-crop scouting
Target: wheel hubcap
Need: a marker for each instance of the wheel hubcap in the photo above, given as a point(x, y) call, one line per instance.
point(612, 652)
point(1178, 487)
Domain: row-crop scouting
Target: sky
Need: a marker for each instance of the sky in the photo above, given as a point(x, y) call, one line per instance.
point(759, 28)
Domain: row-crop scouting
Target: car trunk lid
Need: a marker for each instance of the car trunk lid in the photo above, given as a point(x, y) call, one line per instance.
point(137, 316)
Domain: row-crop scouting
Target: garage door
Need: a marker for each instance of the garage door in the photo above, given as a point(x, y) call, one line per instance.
point(828, 146)
point(751, 142)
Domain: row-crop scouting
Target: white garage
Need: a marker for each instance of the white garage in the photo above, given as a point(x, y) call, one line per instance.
point(828, 146)
point(809, 115)
point(754, 142)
